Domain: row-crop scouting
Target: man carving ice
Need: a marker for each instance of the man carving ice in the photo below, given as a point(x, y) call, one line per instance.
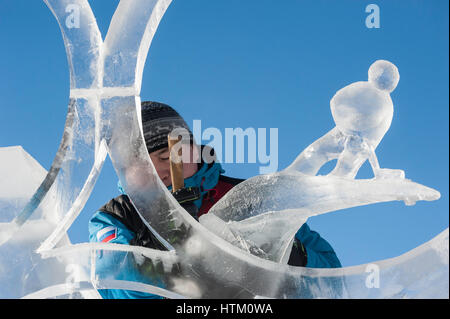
point(118, 222)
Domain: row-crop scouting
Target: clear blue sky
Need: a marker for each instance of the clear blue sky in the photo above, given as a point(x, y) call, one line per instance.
point(261, 64)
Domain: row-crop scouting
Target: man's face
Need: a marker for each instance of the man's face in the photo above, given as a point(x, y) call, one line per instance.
point(161, 162)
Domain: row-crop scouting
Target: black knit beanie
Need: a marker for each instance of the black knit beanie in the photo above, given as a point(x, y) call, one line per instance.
point(158, 120)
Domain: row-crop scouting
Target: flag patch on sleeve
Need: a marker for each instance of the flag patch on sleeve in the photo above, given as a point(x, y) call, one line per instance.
point(106, 234)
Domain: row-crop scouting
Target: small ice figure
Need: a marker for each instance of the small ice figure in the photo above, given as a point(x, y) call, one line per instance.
point(363, 113)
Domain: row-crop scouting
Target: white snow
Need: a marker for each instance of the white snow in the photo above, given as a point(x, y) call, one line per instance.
point(12, 158)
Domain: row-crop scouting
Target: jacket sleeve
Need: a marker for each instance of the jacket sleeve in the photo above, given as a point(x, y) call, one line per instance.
point(319, 252)
point(105, 228)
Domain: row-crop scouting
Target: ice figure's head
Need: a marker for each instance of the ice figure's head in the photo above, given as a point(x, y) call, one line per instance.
point(384, 75)
point(365, 108)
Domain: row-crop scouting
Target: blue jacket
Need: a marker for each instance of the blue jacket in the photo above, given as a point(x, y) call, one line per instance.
point(105, 228)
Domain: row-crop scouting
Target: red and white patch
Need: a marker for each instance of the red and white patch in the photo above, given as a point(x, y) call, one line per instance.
point(107, 234)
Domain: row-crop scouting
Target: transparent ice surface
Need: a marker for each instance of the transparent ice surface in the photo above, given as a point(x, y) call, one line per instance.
point(227, 254)
point(21, 269)
point(283, 201)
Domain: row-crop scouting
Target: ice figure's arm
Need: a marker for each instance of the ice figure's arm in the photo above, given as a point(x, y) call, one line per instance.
point(107, 261)
point(325, 149)
point(319, 252)
point(381, 172)
point(356, 151)
point(354, 154)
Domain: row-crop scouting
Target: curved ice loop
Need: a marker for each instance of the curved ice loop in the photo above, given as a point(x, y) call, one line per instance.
point(84, 145)
point(118, 71)
point(97, 266)
point(419, 273)
point(67, 185)
point(102, 74)
point(76, 152)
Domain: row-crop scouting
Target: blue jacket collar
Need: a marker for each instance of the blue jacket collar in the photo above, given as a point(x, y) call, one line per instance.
point(206, 179)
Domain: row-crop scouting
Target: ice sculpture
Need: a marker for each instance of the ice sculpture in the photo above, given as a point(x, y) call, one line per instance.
point(363, 113)
point(21, 269)
point(225, 255)
point(280, 203)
